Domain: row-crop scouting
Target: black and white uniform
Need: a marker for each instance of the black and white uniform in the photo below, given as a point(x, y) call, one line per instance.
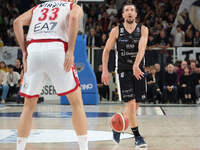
point(127, 49)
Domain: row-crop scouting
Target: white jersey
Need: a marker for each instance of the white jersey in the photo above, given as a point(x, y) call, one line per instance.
point(50, 21)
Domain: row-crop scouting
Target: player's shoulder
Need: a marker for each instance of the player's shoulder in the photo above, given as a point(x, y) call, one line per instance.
point(143, 27)
point(115, 31)
point(76, 7)
point(116, 28)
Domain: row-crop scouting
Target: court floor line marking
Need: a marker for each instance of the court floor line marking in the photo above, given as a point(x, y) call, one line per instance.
point(163, 111)
point(48, 136)
point(159, 111)
point(4, 108)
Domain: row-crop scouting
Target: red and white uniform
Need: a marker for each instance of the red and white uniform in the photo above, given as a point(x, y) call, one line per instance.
point(50, 21)
point(47, 43)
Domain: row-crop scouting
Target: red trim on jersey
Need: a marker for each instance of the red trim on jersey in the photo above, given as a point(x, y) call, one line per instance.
point(71, 6)
point(68, 92)
point(34, 8)
point(74, 71)
point(48, 40)
point(76, 80)
point(28, 96)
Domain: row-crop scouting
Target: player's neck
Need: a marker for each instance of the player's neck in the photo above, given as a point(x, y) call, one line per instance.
point(130, 27)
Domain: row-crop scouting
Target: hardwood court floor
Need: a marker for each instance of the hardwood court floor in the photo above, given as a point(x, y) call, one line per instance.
point(164, 128)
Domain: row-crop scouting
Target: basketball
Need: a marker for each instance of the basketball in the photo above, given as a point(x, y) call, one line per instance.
point(119, 122)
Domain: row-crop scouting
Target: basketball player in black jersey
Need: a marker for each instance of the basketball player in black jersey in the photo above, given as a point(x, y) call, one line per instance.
point(131, 39)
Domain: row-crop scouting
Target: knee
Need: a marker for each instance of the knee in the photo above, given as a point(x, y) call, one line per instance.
point(75, 98)
point(30, 105)
point(5, 86)
point(29, 108)
point(132, 105)
point(76, 101)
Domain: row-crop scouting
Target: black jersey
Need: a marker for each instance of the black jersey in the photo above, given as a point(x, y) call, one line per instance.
point(127, 47)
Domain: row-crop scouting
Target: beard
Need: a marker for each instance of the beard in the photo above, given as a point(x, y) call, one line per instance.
point(130, 21)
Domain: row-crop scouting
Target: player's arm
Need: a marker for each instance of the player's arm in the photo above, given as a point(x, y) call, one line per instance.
point(141, 51)
point(142, 45)
point(19, 22)
point(109, 45)
point(75, 15)
point(74, 18)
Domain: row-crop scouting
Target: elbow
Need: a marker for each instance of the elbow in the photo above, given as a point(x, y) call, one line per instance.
point(16, 23)
point(106, 52)
point(105, 55)
point(142, 49)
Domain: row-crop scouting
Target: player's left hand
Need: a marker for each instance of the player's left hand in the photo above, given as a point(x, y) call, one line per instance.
point(137, 72)
point(69, 60)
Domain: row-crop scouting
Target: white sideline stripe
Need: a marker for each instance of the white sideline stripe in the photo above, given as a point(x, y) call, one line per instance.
point(4, 108)
point(5, 133)
point(48, 136)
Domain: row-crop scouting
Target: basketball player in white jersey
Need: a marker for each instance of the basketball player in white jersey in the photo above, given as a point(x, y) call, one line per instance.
point(49, 50)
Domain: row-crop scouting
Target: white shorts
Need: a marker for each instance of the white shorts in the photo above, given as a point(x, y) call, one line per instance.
point(46, 58)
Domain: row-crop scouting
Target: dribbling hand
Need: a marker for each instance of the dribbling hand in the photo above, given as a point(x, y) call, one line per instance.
point(69, 61)
point(105, 77)
point(138, 73)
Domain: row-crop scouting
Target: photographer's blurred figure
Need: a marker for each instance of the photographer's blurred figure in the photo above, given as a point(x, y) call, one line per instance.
point(13, 80)
point(3, 86)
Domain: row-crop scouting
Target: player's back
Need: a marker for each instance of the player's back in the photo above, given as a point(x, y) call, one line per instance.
point(50, 21)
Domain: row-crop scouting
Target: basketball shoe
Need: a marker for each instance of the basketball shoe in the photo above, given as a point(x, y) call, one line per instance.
point(116, 136)
point(139, 142)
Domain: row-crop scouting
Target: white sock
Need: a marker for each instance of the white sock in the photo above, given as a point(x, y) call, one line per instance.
point(83, 142)
point(21, 143)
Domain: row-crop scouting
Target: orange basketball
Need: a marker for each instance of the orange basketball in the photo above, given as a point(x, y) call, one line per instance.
point(119, 122)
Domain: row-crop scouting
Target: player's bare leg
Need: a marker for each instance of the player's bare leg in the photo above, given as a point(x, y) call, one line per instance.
point(25, 122)
point(137, 107)
point(79, 118)
point(130, 111)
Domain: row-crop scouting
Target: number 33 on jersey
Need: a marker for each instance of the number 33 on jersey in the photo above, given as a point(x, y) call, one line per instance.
point(50, 21)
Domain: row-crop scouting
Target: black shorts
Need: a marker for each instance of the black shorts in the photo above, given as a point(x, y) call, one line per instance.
point(131, 88)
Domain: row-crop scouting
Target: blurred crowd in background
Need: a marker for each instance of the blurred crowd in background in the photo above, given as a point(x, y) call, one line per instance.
point(177, 82)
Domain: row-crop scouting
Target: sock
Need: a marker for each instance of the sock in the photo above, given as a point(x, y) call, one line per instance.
point(83, 142)
point(135, 131)
point(21, 143)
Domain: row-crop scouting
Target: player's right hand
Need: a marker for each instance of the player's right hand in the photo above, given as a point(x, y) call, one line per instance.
point(69, 60)
point(137, 72)
point(105, 77)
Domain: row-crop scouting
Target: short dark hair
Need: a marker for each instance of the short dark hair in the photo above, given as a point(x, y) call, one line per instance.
point(10, 66)
point(128, 4)
point(179, 26)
